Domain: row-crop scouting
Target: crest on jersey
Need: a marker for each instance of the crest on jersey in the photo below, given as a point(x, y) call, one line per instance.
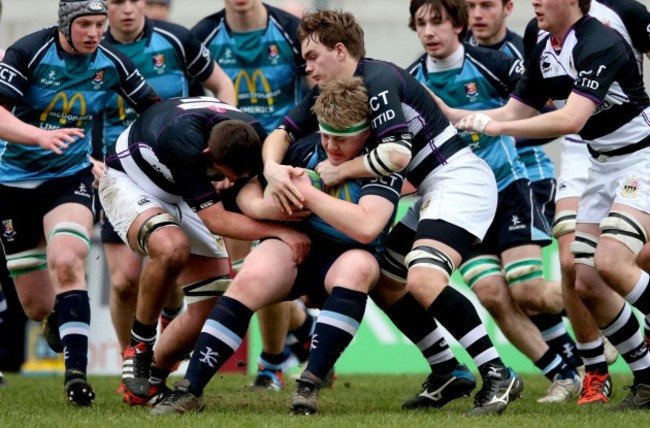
point(630, 187)
point(8, 228)
point(158, 61)
point(471, 90)
point(273, 51)
point(98, 77)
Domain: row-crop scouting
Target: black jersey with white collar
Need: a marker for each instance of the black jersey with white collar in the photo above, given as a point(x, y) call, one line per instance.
point(629, 17)
point(597, 63)
point(401, 110)
point(166, 143)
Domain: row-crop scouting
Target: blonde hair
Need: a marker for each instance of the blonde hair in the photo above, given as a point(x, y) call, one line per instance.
point(342, 103)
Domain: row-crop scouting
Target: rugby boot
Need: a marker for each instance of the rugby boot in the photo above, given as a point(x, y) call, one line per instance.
point(438, 390)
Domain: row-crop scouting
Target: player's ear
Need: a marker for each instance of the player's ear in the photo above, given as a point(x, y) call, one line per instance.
point(341, 50)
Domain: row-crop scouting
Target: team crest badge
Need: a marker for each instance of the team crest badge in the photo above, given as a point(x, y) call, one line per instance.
point(8, 229)
point(158, 60)
point(630, 187)
point(99, 77)
point(471, 90)
point(273, 51)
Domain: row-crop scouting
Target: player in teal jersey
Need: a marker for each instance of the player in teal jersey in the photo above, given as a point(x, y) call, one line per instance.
point(157, 9)
point(505, 269)
point(53, 78)
point(256, 46)
point(168, 56)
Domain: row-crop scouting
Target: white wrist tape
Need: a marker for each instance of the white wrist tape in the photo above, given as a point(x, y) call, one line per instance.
point(474, 122)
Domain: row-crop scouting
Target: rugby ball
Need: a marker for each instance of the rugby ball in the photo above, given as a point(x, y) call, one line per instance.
point(315, 179)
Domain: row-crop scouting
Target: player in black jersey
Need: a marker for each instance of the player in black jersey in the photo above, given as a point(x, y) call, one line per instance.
point(458, 190)
point(157, 192)
point(592, 76)
point(631, 19)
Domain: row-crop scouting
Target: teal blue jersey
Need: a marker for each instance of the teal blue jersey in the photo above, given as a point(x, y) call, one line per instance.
point(50, 89)
point(352, 191)
point(265, 65)
point(482, 81)
point(168, 56)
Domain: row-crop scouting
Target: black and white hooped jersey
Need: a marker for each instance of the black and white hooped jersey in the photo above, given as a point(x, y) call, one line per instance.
point(594, 62)
point(401, 109)
point(50, 89)
point(629, 17)
point(164, 149)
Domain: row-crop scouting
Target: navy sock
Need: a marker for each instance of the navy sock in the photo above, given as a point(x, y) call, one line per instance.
point(74, 324)
point(336, 325)
point(556, 337)
point(220, 337)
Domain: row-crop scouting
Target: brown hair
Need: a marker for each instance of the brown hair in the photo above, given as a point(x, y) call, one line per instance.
point(236, 144)
point(330, 27)
point(454, 10)
point(342, 103)
point(584, 5)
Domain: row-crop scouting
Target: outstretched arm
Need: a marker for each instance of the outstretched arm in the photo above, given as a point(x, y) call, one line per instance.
point(14, 130)
point(568, 120)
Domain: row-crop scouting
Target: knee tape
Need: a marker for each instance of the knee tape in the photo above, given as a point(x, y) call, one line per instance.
point(624, 228)
point(70, 229)
point(479, 267)
point(524, 270)
point(153, 223)
point(584, 248)
point(392, 265)
point(430, 257)
point(565, 222)
point(206, 289)
point(27, 261)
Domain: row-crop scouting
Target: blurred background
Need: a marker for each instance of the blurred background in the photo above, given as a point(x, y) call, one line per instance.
point(384, 21)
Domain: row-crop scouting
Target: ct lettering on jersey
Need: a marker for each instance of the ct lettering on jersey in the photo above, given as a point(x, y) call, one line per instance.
point(375, 104)
point(586, 82)
point(7, 75)
point(253, 94)
point(64, 114)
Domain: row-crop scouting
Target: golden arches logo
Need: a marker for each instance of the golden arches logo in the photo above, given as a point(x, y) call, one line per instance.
point(67, 107)
point(341, 192)
point(120, 108)
point(251, 81)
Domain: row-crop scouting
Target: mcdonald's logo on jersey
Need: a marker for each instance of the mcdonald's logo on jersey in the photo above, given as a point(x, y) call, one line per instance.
point(251, 84)
point(66, 114)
